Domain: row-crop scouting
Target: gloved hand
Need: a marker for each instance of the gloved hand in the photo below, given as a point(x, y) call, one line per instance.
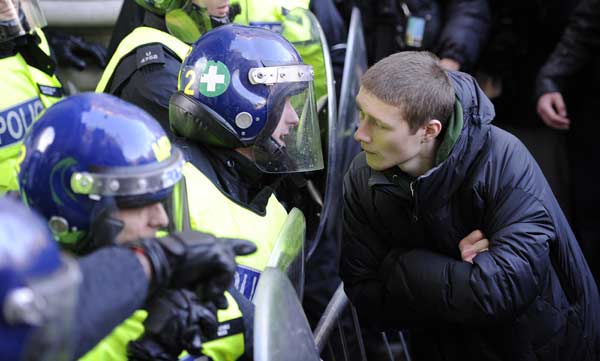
point(176, 322)
point(71, 50)
point(194, 260)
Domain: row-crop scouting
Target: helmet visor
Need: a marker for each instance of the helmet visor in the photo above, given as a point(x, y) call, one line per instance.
point(48, 305)
point(131, 203)
point(130, 181)
point(19, 17)
point(291, 140)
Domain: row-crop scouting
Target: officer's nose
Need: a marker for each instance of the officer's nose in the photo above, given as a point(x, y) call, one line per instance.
point(158, 216)
point(291, 117)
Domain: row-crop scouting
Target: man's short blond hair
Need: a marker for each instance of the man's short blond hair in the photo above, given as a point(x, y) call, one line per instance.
point(414, 82)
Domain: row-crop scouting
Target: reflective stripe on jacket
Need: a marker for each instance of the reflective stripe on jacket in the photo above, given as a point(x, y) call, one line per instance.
point(26, 92)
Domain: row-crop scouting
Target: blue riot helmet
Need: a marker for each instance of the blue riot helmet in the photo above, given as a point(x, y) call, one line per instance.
point(187, 20)
point(38, 289)
point(246, 87)
point(19, 17)
point(89, 155)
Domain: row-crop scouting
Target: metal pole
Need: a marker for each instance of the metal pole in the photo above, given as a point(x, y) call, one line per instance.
point(337, 304)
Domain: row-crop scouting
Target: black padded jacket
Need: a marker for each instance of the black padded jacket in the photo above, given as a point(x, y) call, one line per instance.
point(529, 297)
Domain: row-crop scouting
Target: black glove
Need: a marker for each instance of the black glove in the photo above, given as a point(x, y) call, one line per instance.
point(194, 260)
point(176, 322)
point(71, 50)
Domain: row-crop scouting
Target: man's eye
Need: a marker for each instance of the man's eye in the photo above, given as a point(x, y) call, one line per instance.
point(362, 115)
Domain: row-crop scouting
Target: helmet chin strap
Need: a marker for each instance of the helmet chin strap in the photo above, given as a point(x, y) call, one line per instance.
point(13, 27)
point(103, 231)
point(273, 156)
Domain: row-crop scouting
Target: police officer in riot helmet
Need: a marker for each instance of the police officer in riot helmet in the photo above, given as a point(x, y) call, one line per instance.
point(255, 96)
point(246, 107)
point(29, 83)
point(55, 308)
point(144, 66)
point(103, 172)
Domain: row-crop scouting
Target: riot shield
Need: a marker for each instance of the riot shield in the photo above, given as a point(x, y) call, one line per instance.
point(288, 253)
point(341, 147)
point(355, 64)
point(281, 331)
point(301, 28)
point(312, 46)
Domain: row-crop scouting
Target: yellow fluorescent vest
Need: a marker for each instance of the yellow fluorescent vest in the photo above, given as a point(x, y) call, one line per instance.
point(26, 92)
point(114, 346)
point(213, 212)
point(266, 11)
point(272, 14)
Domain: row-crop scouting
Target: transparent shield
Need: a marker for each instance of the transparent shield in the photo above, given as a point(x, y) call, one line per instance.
point(47, 303)
point(19, 17)
point(355, 64)
point(281, 331)
point(177, 208)
point(288, 253)
point(312, 46)
point(301, 28)
point(33, 13)
point(342, 146)
point(292, 141)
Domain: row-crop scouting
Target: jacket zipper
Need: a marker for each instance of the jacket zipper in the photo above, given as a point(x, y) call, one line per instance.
point(415, 211)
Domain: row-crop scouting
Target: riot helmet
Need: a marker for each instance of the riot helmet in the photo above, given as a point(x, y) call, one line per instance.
point(19, 17)
point(38, 289)
point(92, 155)
point(187, 20)
point(246, 87)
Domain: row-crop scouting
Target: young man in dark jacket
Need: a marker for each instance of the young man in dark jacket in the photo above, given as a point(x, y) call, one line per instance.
point(451, 230)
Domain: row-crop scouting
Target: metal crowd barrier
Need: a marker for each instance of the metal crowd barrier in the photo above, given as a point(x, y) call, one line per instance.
point(339, 337)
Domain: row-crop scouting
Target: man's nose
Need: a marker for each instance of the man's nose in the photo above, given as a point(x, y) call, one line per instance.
point(362, 134)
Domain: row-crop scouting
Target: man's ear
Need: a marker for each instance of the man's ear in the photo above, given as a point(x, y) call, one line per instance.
point(432, 129)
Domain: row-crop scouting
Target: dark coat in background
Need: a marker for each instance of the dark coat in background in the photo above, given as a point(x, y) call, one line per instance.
point(529, 297)
point(577, 48)
point(573, 69)
point(455, 29)
point(522, 36)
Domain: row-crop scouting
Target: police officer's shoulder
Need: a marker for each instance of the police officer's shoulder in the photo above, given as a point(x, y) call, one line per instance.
point(151, 59)
point(150, 54)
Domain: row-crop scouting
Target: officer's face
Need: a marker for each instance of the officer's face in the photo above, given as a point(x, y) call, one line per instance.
point(9, 9)
point(217, 8)
point(385, 135)
point(289, 119)
point(141, 222)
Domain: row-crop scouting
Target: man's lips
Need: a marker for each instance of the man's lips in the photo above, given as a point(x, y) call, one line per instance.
point(366, 151)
